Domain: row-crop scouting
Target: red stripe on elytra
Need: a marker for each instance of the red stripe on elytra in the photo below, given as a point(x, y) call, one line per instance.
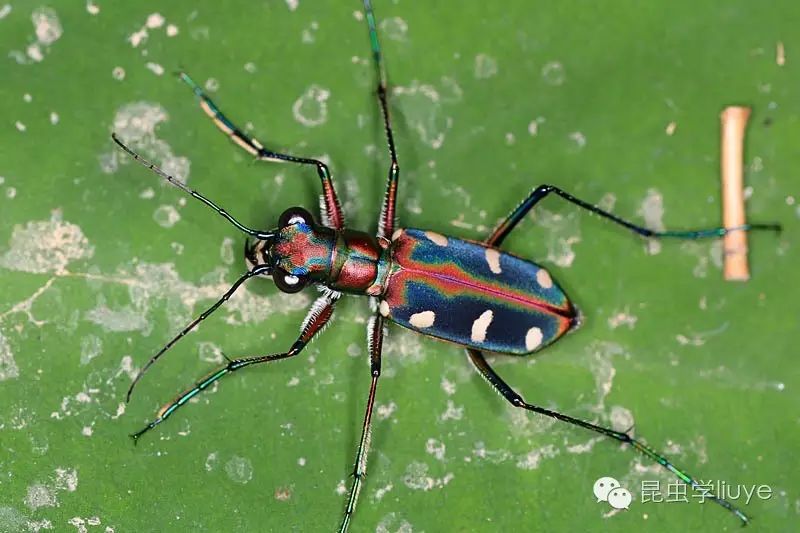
point(514, 296)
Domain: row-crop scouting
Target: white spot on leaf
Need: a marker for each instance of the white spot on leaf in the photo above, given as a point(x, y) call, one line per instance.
point(166, 216)
point(47, 29)
point(622, 318)
point(417, 478)
point(485, 66)
point(211, 461)
point(311, 109)
point(652, 210)
point(239, 469)
point(91, 347)
point(45, 246)
point(40, 496)
point(155, 68)
point(533, 459)
point(154, 20)
point(436, 448)
point(8, 367)
point(44, 494)
point(47, 26)
point(553, 73)
point(621, 418)
point(226, 251)
point(421, 104)
point(563, 233)
point(135, 123)
point(394, 28)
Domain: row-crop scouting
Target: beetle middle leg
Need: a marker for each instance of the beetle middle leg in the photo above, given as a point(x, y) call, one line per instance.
point(375, 341)
point(480, 363)
point(540, 192)
point(331, 208)
point(193, 324)
point(319, 315)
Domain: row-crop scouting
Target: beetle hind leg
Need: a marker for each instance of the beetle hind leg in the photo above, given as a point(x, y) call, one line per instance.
point(482, 366)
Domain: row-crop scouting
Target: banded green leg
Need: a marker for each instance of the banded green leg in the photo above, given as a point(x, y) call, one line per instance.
point(331, 208)
point(540, 192)
point(480, 363)
point(264, 269)
point(319, 315)
point(387, 219)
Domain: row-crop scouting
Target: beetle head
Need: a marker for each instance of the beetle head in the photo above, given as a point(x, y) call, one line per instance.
point(299, 253)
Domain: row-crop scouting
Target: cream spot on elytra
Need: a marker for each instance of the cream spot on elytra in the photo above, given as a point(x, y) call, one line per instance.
point(543, 278)
point(480, 326)
point(493, 258)
point(396, 234)
point(533, 339)
point(384, 308)
point(436, 238)
point(424, 319)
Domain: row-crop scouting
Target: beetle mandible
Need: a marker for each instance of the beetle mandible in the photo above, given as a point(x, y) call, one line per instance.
point(470, 293)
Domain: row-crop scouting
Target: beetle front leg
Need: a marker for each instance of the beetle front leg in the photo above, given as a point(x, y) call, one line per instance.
point(375, 341)
point(319, 315)
point(387, 219)
point(331, 208)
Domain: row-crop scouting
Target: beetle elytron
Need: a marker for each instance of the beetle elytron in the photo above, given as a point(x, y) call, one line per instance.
point(469, 293)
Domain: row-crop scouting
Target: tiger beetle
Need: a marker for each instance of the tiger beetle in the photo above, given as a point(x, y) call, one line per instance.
point(470, 293)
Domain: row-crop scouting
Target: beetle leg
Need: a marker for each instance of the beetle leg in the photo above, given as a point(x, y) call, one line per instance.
point(375, 342)
point(516, 400)
point(257, 271)
point(386, 221)
point(541, 191)
point(331, 208)
point(315, 321)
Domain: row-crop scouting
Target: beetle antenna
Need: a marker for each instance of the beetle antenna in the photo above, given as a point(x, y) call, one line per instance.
point(194, 194)
point(261, 269)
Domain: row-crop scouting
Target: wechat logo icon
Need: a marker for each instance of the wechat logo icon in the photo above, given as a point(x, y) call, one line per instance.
point(608, 489)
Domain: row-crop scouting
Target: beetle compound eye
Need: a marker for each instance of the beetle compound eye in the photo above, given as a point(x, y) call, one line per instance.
point(287, 282)
point(295, 215)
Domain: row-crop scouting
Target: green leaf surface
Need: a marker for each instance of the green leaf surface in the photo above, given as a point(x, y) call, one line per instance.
point(616, 102)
